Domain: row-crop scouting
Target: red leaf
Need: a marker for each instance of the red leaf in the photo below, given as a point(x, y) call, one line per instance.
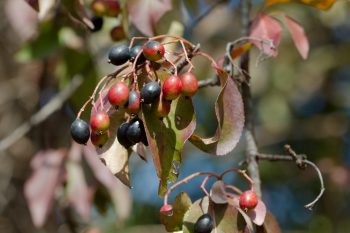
point(299, 37)
point(40, 188)
point(258, 214)
point(218, 193)
point(34, 4)
point(144, 14)
point(230, 116)
point(267, 28)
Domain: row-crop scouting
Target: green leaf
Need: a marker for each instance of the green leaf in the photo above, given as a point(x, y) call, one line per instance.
point(167, 137)
point(174, 222)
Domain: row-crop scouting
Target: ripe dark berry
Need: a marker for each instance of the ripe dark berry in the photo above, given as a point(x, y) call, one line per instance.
point(153, 50)
point(80, 131)
point(150, 92)
point(117, 33)
point(134, 51)
point(99, 122)
point(118, 94)
point(204, 224)
point(248, 200)
point(135, 131)
point(166, 210)
point(189, 84)
point(97, 21)
point(99, 139)
point(133, 104)
point(161, 107)
point(121, 135)
point(118, 55)
point(171, 87)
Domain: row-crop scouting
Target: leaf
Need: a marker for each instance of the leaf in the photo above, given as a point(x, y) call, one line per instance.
point(258, 214)
point(298, 35)
point(236, 52)
point(230, 116)
point(270, 225)
point(40, 188)
point(34, 4)
point(78, 12)
point(218, 192)
point(248, 221)
point(265, 27)
point(320, 4)
point(167, 137)
point(181, 204)
point(144, 14)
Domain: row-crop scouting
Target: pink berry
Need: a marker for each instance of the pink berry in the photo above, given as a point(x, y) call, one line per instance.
point(118, 94)
point(189, 84)
point(99, 122)
point(171, 87)
point(248, 200)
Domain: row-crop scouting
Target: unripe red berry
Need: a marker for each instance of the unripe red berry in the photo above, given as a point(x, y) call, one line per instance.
point(189, 84)
point(99, 7)
point(133, 104)
point(99, 139)
point(248, 200)
point(166, 210)
point(161, 107)
point(172, 87)
point(117, 33)
point(153, 50)
point(99, 122)
point(118, 94)
point(113, 8)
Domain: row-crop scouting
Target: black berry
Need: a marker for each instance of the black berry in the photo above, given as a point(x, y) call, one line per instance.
point(150, 92)
point(118, 55)
point(80, 131)
point(97, 21)
point(133, 133)
point(133, 53)
point(204, 224)
point(121, 135)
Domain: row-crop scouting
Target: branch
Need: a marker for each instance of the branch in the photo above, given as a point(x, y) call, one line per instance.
point(184, 61)
point(51, 107)
point(214, 81)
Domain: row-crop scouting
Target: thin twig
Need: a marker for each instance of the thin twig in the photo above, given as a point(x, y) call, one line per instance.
point(214, 81)
point(51, 107)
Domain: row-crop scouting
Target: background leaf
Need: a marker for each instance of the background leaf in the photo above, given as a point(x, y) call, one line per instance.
point(299, 37)
point(320, 4)
point(34, 4)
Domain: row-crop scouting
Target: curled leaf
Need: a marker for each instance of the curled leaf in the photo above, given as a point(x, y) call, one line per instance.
point(218, 193)
point(299, 37)
point(258, 214)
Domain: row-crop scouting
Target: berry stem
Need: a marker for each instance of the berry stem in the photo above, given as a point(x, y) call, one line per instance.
point(233, 188)
point(186, 56)
point(207, 56)
point(173, 65)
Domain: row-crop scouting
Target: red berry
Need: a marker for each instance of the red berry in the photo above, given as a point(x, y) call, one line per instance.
point(99, 139)
point(161, 107)
point(118, 94)
point(153, 50)
point(133, 104)
point(248, 200)
point(117, 33)
point(171, 87)
point(166, 210)
point(99, 7)
point(113, 8)
point(99, 122)
point(189, 84)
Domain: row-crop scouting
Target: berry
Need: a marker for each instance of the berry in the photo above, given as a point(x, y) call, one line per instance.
point(161, 108)
point(118, 55)
point(150, 92)
point(133, 104)
point(113, 8)
point(99, 122)
point(99, 139)
point(117, 33)
point(204, 224)
point(97, 21)
point(133, 53)
point(171, 87)
point(135, 131)
point(99, 7)
point(153, 50)
point(121, 135)
point(189, 84)
point(80, 131)
point(118, 94)
point(166, 210)
point(248, 200)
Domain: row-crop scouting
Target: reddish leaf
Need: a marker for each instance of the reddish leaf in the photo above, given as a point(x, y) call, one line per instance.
point(34, 4)
point(230, 117)
point(40, 188)
point(144, 14)
point(320, 4)
point(299, 37)
point(258, 213)
point(270, 225)
point(218, 192)
point(236, 52)
point(266, 28)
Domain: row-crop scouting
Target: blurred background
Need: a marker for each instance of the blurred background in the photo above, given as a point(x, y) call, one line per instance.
point(305, 103)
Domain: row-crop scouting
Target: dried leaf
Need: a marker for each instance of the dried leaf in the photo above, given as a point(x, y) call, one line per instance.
point(248, 221)
point(182, 203)
point(144, 14)
point(34, 4)
point(266, 27)
point(218, 192)
point(270, 225)
point(40, 188)
point(258, 214)
point(238, 51)
point(230, 116)
point(320, 4)
point(299, 37)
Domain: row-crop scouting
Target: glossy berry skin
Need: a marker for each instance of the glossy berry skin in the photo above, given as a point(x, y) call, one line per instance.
point(97, 21)
point(135, 131)
point(99, 140)
point(161, 108)
point(189, 84)
point(150, 92)
point(248, 200)
point(118, 55)
point(134, 51)
point(121, 135)
point(118, 94)
point(117, 33)
point(172, 87)
point(153, 51)
point(99, 122)
point(204, 224)
point(166, 210)
point(80, 131)
point(133, 104)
